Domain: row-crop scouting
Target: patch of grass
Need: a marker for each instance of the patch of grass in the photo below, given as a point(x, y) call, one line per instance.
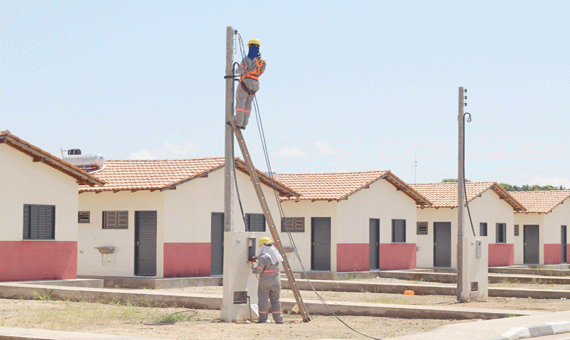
point(47, 296)
point(186, 315)
point(352, 277)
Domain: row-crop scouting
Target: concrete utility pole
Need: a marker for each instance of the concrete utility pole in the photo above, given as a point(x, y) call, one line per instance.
point(462, 239)
point(229, 153)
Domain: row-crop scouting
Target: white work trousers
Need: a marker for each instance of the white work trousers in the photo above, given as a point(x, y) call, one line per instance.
point(269, 290)
point(244, 100)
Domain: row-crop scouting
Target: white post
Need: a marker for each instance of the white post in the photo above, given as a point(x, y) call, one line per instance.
point(462, 239)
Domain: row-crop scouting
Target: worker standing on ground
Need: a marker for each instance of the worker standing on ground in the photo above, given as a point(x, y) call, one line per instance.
point(269, 280)
point(251, 67)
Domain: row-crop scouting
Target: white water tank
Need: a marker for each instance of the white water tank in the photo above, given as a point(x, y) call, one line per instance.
point(85, 162)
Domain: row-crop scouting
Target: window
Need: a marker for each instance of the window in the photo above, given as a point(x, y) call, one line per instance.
point(422, 228)
point(398, 231)
point(255, 222)
point(517, 232)
point(293, 224)
point(501, 233)
point(39, 222)
point(483, 229)
point(116, 219)
point(83, 217)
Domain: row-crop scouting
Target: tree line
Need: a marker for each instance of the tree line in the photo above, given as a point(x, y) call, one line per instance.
point(509, 187)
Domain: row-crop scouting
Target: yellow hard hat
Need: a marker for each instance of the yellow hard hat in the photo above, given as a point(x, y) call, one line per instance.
point(264, 240)
point(254, 41)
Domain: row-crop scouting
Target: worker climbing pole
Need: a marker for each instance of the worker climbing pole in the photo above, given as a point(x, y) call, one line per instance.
point(250, 69)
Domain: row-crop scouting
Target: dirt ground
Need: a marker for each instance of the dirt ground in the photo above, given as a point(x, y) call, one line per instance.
point(181, 323)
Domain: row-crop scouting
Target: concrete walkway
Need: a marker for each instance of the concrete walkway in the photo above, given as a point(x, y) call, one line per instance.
point(501, 329)
point(187, 300)
point(424, 289)
point(499, 324)
point(7, 333)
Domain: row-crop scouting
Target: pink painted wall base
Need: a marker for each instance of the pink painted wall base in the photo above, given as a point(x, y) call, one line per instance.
point(501, 254)
point(187, 259)
point(38, 260)
point(351, 257)
point(552, 254)
point(397, 256)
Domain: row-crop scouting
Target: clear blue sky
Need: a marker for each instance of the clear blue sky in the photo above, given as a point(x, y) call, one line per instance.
point(349, 86)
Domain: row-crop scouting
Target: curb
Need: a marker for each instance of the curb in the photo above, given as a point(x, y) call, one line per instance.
point(534, 331)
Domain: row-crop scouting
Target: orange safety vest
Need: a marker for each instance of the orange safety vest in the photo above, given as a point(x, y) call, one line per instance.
point(253, 74)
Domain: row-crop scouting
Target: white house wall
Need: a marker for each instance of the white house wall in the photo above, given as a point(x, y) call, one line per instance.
point(92, 235)
point(487, 208)
point(188, 220)
point(28, 182)
point(381, 200)
point(23, 181)
point(183, 225)
point(491, 209)
point(425, 242)
point(302, 240)
point(553, 221)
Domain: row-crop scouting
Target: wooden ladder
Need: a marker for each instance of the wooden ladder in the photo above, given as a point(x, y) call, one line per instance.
point(276, 239)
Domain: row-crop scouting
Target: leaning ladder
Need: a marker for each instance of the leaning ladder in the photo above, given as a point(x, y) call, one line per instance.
point(277, 240)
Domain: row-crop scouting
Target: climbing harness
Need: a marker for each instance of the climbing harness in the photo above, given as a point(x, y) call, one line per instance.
point(246, 89)
point(253, 74)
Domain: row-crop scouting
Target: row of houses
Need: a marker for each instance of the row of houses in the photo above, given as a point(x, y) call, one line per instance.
point(164, 218)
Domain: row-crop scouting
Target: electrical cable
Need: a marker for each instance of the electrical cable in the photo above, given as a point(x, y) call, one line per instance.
point(271, 176)
point(234, 160)
point(464, 185)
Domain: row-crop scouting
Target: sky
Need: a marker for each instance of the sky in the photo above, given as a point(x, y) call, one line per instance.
point(349, 85)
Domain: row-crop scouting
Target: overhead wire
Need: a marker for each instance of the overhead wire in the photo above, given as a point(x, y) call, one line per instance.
point(465, 185)
point(271, 175)
point(234, 167)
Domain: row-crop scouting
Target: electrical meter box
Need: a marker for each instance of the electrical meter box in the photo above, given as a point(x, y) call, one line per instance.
point(478, 269)
point(251, 247)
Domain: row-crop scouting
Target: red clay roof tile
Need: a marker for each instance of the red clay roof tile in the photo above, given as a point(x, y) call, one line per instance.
point(444, 195)
point(157, 174)
point(340, 185)
point(541, 201)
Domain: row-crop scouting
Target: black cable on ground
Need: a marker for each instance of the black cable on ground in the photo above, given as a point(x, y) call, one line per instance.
point(270, 173)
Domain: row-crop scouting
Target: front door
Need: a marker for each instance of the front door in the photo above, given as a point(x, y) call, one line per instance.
point(217, 244)
point(442, 244)
point(374, 240)
point(531, 244)
point(145, 243)
point(321, 243)
point(564, 244)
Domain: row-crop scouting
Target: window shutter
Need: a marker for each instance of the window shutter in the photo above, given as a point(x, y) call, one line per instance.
point(422, 228)
point(39, 222)
point(116, 219)
point(46, 216)
point(27, 224)
point(398, 231)
point(255, 222)
point(122, 220)
point(299, 224)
